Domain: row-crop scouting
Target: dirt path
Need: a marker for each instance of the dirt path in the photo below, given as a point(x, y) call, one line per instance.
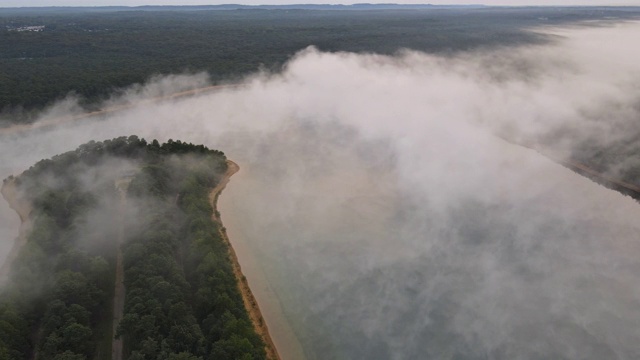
point(249, 300)
point(119, 293)
point(23, 208)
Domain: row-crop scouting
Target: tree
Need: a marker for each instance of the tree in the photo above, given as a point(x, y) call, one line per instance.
point(69, 355)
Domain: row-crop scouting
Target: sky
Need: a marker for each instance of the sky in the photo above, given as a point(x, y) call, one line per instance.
point(30, 3)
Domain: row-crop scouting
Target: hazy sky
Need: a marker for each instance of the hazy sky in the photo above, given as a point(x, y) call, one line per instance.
point(14, 3)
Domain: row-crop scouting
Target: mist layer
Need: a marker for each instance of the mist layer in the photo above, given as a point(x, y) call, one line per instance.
point(389, 215)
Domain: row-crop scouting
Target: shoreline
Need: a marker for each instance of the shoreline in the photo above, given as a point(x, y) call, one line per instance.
point(250, 303)
point(48, 123)
point(23, 209)
point(9, 192)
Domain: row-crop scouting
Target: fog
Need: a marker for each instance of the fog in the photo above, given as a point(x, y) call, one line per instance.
point(390, 213)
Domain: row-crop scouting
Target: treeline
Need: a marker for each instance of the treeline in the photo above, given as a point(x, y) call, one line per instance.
point(182, 300)
point(92, 54)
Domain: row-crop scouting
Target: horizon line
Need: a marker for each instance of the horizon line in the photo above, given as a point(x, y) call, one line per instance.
point(318, 4)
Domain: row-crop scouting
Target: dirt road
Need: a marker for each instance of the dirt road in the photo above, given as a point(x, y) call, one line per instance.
point(119, 293)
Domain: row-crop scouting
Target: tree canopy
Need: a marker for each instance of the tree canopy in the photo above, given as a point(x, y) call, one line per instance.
point(182, 299)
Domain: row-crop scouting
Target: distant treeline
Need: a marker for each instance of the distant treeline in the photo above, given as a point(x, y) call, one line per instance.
point(50, 53)
point(182, 300)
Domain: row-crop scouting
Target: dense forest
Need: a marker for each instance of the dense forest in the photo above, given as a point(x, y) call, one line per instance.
point(49, 53)
point(150, 201)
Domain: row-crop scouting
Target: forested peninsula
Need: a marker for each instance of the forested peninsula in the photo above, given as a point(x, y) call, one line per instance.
point(124, 257)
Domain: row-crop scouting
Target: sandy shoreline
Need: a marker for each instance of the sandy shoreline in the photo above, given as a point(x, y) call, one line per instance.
point(47, 123)
point(249, 300)
point(23, 209)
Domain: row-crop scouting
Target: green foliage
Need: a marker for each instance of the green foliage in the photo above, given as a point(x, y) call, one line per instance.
point(182, 300)
point(165, 309)
point(14, 331)
point(94, 53)
point(69, 355)
point(215, 296)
